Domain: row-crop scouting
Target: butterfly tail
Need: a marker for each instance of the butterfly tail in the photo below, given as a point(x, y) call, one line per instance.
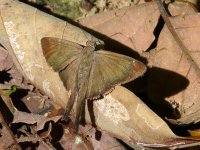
point(69, 107)
point(79, 109)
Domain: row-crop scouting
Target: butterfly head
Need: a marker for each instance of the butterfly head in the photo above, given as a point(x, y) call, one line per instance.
point(91, 44)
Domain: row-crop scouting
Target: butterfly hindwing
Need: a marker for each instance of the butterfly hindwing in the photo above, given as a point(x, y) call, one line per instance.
point(69, 79)
point(110, 69)
point(59, 53)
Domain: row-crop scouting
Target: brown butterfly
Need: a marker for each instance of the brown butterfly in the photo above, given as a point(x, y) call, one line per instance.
point(87, 73)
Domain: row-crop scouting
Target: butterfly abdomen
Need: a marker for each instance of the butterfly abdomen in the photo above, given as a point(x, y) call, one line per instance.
point(85, 67)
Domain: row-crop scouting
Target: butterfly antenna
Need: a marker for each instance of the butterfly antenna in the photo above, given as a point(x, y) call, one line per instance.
point(62, 37)
point(87, 37)
point(64, 31)
point(83, 31)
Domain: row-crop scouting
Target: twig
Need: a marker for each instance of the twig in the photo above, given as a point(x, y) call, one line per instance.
point(186, 146)
point(185, 51)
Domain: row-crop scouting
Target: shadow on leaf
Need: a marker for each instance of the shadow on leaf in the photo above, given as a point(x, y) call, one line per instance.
point(163, 84)
point(4, 76)
point(17, 99)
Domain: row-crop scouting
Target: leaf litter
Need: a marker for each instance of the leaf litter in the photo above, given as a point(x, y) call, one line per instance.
point(20, 117)
point(32, 125)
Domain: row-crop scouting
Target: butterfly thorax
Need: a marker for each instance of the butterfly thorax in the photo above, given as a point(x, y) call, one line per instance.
point(91, 44)
point(90, 47)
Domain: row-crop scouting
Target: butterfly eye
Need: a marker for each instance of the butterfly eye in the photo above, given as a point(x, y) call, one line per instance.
point(91, 44)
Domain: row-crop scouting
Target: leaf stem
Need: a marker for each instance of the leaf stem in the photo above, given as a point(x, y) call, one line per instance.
point(184, 49)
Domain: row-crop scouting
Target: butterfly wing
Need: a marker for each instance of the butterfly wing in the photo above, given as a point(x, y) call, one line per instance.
point(110, 69)
point(69, 79)
point(59, 53)
point(63, 56)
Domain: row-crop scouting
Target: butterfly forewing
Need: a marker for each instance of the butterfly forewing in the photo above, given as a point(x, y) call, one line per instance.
point(110, 69)
point(59, 53)
point(69, 75)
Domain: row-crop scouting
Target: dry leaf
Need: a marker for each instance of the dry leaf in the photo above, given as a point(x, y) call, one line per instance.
point(72, 142)
point(45, 134)
point(172, 77)
point(30, 118)
point(195, 133)
point(6, 141)
point(9, 75)
point(124, 26)
point(100, 140)
point(44, 146)
point(5, 64)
